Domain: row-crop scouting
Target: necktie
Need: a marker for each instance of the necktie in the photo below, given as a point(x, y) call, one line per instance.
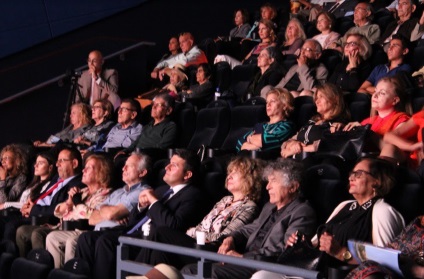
point(95, 91)
point(146, 218)
point(49, 191)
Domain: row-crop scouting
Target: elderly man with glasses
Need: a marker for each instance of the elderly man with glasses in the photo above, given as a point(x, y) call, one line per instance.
point(98, 83)
point(306, 74)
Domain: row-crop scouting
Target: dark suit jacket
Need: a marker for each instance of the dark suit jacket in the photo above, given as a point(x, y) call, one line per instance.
point(180, 212)
point(346, 6)
point(108, 87)
point(60, 196)
point(298, 216)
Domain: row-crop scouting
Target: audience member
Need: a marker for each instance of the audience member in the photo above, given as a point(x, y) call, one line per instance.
point(69, 165)
point(366, 218)
point(293, 37)
point(406, 26)
point(80, 121)
point(396, 52)
point(362, 18)
point(173, 50)
point(79, 206)
point(355, 67)
point(190, 55)
point(244, 182)
point(307, 73)
point(267, 36)
point(325, 25)
point(13, 173)
point(161, 132)
point(204, 89)
point(177, 81)
point(270, 135)
point(270, 72)
point(98, 83)
point(283, 215)
point(388, 107)
point(126, 132)
point(338, 9)
point(101, 113)
point(331, 109)
point(44, 174)
point(177, 209)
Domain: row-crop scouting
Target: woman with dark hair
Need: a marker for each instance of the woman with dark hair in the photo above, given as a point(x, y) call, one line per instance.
point(244, 182)
point(204, 89)
point(325, 24)
point(13, 173)
point(44, 170)
point(101, 113)
point(331, 110)
point(271, 72)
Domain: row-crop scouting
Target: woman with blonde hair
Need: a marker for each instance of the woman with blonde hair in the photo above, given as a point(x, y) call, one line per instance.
point(270, 135)
point(294, 37)
point(80, 120)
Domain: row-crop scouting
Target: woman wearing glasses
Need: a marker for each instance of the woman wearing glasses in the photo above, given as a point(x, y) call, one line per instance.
point(352, 71)
point(366, 218)
point(101, 113)
point(13, 173)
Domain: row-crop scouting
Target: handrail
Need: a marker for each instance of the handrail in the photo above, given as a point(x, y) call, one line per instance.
point(61, 77)
point(124, 264)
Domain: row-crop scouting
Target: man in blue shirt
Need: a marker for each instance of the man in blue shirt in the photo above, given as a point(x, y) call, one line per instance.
point(398, 49)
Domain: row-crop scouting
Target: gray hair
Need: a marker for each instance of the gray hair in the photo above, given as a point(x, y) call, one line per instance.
point(144, 161)
point(318, 47)
point(289, 170)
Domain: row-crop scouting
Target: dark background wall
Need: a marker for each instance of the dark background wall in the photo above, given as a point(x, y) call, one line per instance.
point(40, 113)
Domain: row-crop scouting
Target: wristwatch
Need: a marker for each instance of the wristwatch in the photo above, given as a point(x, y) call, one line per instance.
point(347, 256)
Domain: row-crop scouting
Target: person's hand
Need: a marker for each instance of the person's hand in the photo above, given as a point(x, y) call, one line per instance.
point(123, 221)
point(172, 88)
point(147, 197)
point(353, 59)
point(26, 209)
point(417, 146)
point(78, 139)
point(37, 143)
point(349, 126)
point(92, 71)
point(73, 191)
point(302, 60)
point(161, 74)
point(336, 126)
point(292, 240)
point(292, 148)
point(3, 173)
point(329, 245)
point(234, 254)
point(155, 73)
point(227, 245)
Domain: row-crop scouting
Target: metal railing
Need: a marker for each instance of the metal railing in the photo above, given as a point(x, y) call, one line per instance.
point(61, 77)
point(125, 265)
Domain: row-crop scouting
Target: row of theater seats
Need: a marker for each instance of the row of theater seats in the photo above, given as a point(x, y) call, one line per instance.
point(39, 264)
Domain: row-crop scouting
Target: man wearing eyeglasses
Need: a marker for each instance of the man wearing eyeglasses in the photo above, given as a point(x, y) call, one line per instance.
point(69, 166)
point(127, 131)
point(98, 83)
point(306, 74)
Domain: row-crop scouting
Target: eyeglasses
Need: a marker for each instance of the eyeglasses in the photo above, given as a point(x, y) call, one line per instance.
point(358, 173)
point(63, 160)
point(96, 107)
point(351, 44)
point(7, 158)
point(125, 110)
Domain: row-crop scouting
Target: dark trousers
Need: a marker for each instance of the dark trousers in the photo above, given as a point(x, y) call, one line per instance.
point(170, 236)
point(99, 248)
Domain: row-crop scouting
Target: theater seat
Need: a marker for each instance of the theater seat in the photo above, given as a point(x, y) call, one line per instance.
point(37, 265)
point(74, 269)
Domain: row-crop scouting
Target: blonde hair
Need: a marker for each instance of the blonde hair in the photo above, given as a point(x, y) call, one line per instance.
point(301, 32)
point(84, 113)
point(285, 98)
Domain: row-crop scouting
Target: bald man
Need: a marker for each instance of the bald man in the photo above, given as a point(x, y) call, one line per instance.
point(98, 83)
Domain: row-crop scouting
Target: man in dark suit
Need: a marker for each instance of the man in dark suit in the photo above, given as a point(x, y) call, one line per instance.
point(341, 7)
point(178, 209)
point(69, 166)
point(267, 236)
point(98, 83)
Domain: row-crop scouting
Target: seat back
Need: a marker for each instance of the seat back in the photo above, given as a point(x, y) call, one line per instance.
point(330, 58)
point(37, 265)
point(212, 125)
point(304, 109)
point(325, 188)
point(185, 119)
point(243, 119)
